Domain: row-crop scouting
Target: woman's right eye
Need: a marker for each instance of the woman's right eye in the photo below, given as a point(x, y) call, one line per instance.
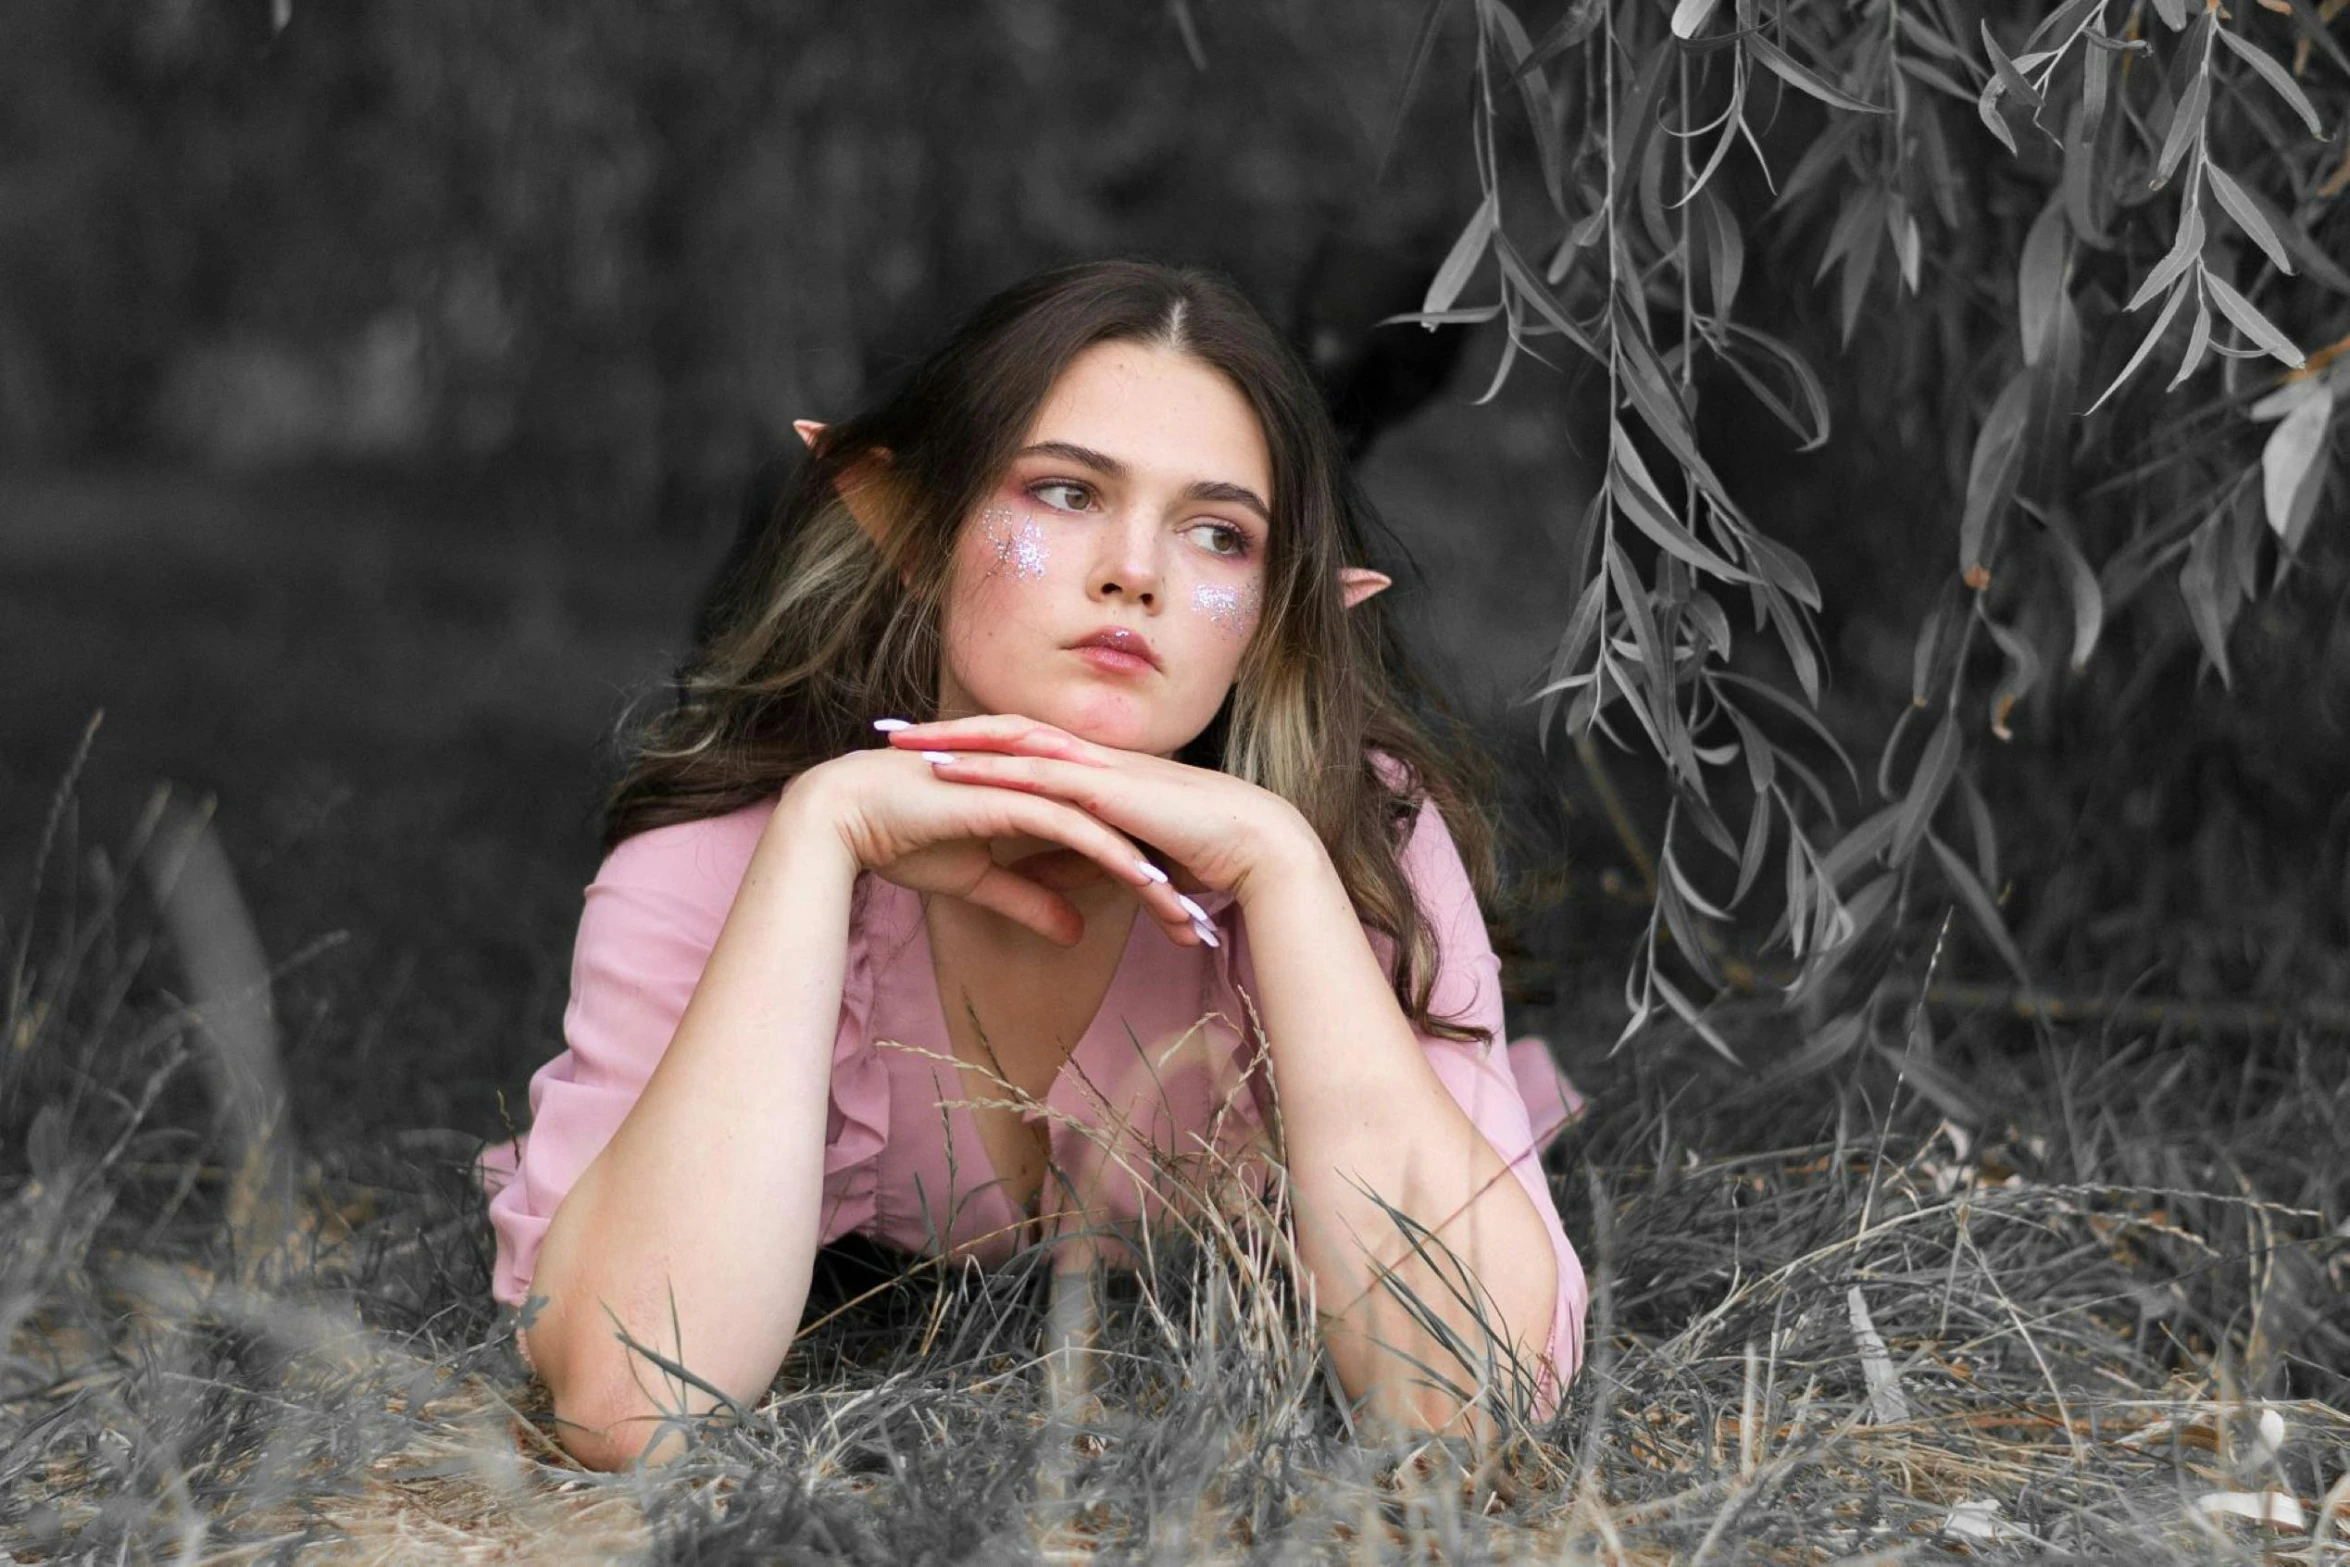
point(1046, 491)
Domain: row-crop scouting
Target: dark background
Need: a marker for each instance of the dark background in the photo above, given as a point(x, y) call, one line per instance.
point(377, 397)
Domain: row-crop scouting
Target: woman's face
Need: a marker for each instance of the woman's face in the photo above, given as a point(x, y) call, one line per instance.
point(1138, 502)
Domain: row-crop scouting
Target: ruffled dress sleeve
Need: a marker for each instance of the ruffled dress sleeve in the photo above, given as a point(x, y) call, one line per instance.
point(651, 916)
point(1514, 1092)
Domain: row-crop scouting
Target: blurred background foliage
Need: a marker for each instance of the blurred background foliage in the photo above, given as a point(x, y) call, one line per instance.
point(628, 240)
point(378, 390)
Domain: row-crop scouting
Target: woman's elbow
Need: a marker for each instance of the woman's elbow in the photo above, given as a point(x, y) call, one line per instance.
point(615, 1405)
point(602, 1418)
point(606, 1438)
point(592, 1418)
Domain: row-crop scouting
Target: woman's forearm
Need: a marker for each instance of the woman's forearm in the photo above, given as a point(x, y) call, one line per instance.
point(696, 1228)
point(1361, 1107)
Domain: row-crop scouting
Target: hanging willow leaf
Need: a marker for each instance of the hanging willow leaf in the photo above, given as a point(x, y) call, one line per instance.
point(2010, 79)
point(2315, 263)
point(1860, 263)
point(2276, 77)
point(1655, 665)
point(1696, 1020)
point(2199, 586)
point(2040, 279)
point(2248, 217)
point(1640, 499)
point(1987, 110)
point(1512, 340)
point(1858, 217)
point(1867, 841)
point(2153, 336)
point(1794, 922)
point(1712, 621)
point(1924, 658)
point(1437, 318)
point(1982, 830)
point(2290, 471)
point(1828, 153)
point(1691, 15)
point(1423, 47)
point(2183, 252)
point(1937, 763)
point(1786, 570)
point(1814, 396)
point(2080, 583)
point(1908, 246)
point(1461, 261)
point(1991, 476)
point(1660, 408)
point(1581, 20)
point(1979, 906)
point(2186, 123)
point(1582, 626)
point(1531, 289)
point(2022, 673)
point(1733, 119)
point(1795, 710)
point(2251, 322)
point(1755, 849)
point(2050, 428)
point(2064, 21)
point(1534, 88)
point(1794, 74)
point(2080, 185)
point(1933, 76)
point(1676, 899)
point(2198, 340)
point(1725, 251)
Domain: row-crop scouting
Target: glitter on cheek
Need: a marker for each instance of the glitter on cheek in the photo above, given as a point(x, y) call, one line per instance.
point(1017, 541)
point(1231, 610)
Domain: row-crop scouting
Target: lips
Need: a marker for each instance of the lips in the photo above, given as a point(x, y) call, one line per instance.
point(1120, 640)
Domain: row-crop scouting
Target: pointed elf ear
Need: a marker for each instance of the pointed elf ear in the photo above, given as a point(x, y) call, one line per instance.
point(859, 490)
point(1360, 582)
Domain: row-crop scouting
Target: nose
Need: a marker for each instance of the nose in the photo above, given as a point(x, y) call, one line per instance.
point(1126, 560)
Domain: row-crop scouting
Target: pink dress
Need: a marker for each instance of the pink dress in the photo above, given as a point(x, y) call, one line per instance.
point(1162, 1071)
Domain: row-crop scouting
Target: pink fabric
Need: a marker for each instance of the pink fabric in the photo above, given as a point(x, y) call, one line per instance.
point(1163, 1072)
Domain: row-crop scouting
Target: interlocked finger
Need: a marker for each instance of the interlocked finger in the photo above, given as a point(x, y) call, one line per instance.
point(1043, 817)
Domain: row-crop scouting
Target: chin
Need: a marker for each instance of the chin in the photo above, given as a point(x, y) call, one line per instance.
point(1117, 722)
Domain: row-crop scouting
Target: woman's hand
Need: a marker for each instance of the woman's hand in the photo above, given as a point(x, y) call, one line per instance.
point(1219, 829)
point(904, 823)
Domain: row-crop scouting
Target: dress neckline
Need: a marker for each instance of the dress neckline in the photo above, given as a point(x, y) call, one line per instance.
point(1063, 1094)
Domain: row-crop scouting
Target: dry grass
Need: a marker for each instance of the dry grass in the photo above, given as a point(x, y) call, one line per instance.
point(1821, 1333)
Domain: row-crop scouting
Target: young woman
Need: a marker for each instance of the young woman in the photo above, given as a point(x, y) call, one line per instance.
point(1053, 748)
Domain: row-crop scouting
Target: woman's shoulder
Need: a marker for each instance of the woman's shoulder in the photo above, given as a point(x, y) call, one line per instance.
point(1427, 852)
point(701, 861)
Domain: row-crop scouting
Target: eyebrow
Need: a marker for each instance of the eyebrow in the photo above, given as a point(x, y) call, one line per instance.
point(1197, 490)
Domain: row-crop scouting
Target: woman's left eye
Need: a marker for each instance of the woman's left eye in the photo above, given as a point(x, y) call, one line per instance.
point(1225, 539)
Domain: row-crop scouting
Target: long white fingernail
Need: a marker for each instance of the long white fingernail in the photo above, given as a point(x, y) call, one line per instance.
point(1198, 914)
point(1205, 932)
point(936, 757)
point(1152, 871)
point(890, 726)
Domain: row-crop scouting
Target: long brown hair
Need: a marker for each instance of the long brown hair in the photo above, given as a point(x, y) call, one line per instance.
point(835, 625)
